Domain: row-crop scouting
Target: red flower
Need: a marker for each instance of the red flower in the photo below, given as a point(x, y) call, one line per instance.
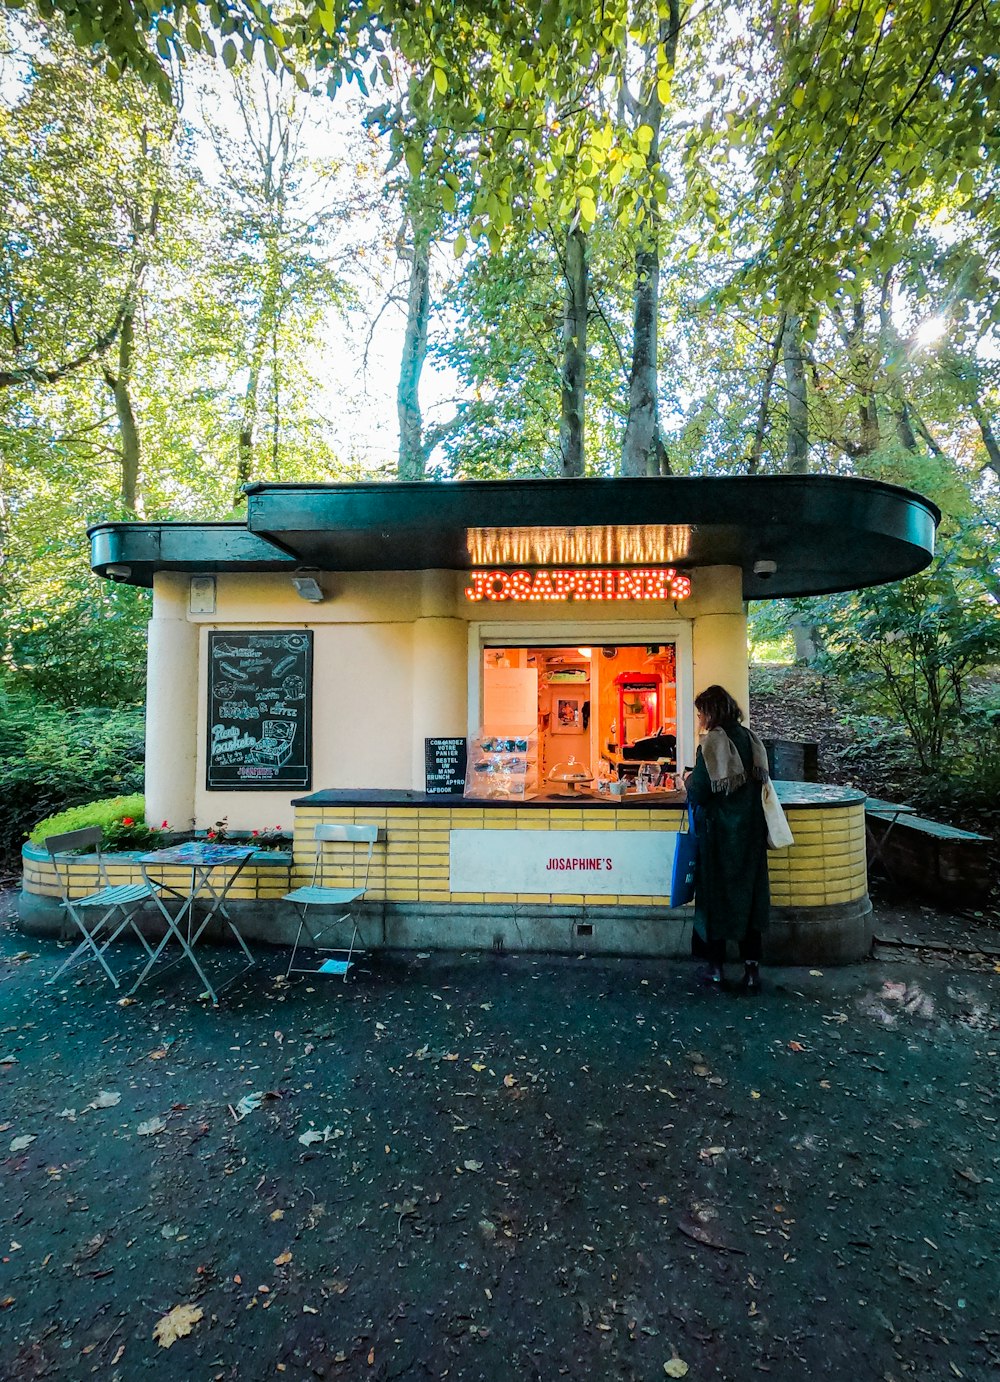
point(255, 832)
point(163, 826)
point(127, 820)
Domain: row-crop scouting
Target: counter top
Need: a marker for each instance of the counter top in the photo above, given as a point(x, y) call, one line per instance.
point(791, 794)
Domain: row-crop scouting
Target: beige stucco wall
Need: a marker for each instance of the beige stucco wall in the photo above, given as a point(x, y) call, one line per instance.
point(171, 705)
point(392, 655)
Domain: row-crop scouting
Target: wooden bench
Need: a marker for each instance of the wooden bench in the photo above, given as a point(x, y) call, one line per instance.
point(926, 856)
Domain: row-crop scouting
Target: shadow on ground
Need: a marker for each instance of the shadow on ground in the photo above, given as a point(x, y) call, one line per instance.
point(518, 1167)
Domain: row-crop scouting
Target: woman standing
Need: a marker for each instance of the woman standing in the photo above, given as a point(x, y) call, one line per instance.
point(732, 900)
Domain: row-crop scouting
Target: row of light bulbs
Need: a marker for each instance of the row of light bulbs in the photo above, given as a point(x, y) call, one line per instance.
point(617, 583)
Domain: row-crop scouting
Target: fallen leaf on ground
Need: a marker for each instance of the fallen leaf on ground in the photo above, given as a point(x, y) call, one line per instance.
point(314, 1135)
point(795, 1046)
point(475, 1165)
point(970, 1175)
point(8, 1060)
point(282, 1258)
point(692, 1228)
point(105, 1099)
point(676, 1368)
point(19, 1143)
point(247, 1104)
point(175, 1325)
point(151, 1127)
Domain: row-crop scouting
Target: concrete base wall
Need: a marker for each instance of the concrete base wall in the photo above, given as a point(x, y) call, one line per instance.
point(828, 935)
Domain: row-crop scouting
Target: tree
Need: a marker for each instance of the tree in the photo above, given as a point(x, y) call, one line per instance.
point(280, 207)
point(909, 650)
point(80, 215)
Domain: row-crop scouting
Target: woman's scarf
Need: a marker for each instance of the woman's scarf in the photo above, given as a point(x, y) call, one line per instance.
point(724, 764)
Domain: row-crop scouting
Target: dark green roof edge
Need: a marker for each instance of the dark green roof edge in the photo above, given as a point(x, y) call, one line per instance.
point(198, 548)
point(826, 533)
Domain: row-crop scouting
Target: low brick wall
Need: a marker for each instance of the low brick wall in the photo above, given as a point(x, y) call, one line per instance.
point(825, 866)
point(820, 910)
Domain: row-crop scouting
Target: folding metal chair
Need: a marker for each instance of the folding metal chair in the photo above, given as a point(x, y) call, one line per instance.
point(117, 903)
point(317, 894)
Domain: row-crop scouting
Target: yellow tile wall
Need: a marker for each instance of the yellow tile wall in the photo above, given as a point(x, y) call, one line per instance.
point(825, 865)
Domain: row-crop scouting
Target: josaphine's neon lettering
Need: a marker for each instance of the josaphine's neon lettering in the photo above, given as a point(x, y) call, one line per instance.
point(597, 583)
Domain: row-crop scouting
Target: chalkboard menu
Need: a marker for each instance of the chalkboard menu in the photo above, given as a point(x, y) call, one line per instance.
point(444, 763)
point(259, 710)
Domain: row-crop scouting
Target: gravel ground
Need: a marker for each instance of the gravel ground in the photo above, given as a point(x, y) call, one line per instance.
point(492, 1166)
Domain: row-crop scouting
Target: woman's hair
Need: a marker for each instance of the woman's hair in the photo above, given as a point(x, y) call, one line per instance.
point(717, 706)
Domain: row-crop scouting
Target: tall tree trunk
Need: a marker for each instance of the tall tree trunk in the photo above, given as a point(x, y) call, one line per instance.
point(119, 384)
point(264, 329)
point(412, 450)
point(797, 445)
point(871, 433)
point(989, 437)
point(643, 451)
point(248, 421)
point(574, 365)
point(904, 426)
point(757, 449)
point(893, 360)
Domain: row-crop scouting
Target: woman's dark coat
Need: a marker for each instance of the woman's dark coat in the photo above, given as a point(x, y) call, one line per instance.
point(731, 889)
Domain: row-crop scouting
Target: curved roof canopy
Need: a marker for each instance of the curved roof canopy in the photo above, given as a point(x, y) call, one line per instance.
point(812, 534)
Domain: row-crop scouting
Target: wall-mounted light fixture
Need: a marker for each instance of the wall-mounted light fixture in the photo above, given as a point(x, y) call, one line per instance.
point(765, 569)
point(201, 596)
point(309, 588)
point(118, 573)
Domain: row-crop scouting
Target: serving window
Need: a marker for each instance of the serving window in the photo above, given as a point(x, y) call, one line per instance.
point(614, 703)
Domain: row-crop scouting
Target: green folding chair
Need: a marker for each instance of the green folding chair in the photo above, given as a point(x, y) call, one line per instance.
point(114, 904)
point(319, 895)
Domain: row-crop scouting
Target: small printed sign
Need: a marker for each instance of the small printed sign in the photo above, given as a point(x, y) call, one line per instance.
point(444, 766)
point(607, 862)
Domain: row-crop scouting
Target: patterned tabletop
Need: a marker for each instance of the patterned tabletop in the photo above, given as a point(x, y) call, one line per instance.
point(196, 853)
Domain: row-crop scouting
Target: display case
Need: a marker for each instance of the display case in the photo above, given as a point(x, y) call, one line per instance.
point(503, 765)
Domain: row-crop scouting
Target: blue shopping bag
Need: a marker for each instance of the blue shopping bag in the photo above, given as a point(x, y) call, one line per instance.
point(685, 858)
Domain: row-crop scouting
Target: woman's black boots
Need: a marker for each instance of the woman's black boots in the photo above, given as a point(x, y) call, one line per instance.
point(750, 983)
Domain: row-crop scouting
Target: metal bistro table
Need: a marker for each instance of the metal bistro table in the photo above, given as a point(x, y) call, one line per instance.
point(203, 861)
point(888, 812)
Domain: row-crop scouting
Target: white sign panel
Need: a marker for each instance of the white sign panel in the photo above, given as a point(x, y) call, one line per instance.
point(562, 861)
point(510, 699)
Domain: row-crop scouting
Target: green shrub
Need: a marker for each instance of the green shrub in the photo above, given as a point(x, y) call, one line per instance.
point(51, 758)
point(910, 652)
point(120, 818)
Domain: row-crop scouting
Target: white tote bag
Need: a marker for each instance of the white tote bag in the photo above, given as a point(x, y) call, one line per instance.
point(778, 834)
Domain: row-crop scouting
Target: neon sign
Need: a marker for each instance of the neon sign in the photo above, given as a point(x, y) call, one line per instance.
point(596, 583)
